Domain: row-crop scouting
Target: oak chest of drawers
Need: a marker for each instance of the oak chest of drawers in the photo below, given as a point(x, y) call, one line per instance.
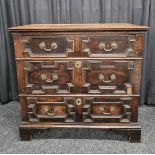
point(79, 76)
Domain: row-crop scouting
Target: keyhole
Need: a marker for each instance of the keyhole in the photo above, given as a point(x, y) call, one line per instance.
point(78, 101)
point(78, 64)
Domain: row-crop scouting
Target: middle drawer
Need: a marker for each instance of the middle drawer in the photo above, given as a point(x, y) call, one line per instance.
point(81, 76)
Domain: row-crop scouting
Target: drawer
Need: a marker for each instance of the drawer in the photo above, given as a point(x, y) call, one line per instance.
point(49, 77)
point(108, 109)
point(111, 76)
point(46, 46)
point(112, 45)
point(81, 76)
point(53, 109)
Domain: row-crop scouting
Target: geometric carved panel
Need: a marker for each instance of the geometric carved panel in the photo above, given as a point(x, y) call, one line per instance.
point(47, 46)
point(55, 109)
point(100, 109)
point(108, 45)
point(108, 76)
point(44, 77)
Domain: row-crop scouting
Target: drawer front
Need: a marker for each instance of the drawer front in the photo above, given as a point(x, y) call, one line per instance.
point(112, 45)
point(82, 109)
point(44, 45)
point(107, 109)
point(55, 109)
point(111, 76)
point(47, 46)
point(49, 77)
point(81, 76)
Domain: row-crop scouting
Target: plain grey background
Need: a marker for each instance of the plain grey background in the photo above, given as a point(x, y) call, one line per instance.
point(20, 12)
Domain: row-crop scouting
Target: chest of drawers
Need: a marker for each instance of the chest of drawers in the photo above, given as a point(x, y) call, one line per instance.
point(79, 76)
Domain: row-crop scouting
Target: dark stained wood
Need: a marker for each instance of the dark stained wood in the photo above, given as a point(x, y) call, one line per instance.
point(132, 130)
point(53, 109)
point(79, 76)
point(46, 45)
point(139, 44)
point(89, 109)
point(110, 109)
point(134, 108)
point(46, 125)
point(111, 76)
point(18, 46)
point(24, 109)
point(20, 76)
point(78, 58)
point(77, 45)
point(80, 95)
point(116, 45)
point(25, 134)
point(111, 45)
point(134, 136)
point(48, 77)
point(136, 76)
point(85, 79)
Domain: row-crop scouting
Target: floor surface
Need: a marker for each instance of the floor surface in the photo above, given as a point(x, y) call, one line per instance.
point(73, 141)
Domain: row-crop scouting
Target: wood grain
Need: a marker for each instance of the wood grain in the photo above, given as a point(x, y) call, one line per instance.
point(96, 64)
point(79, 27)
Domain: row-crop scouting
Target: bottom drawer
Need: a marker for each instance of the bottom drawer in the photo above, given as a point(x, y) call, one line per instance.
point(82, 109)
point(54, 109)
point(107, 109)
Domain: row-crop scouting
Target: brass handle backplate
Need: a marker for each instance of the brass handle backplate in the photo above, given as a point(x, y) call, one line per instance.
point(102, 46)
point(102, 78)
point(47, 79)
point(107, 111)
point(51, 112)
point(53, 46)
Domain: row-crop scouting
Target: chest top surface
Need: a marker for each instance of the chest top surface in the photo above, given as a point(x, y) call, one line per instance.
point(79, 27)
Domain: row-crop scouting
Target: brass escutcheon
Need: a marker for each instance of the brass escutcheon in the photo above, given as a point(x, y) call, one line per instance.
point(129, 90)
point(78, 101)
point(78, 64)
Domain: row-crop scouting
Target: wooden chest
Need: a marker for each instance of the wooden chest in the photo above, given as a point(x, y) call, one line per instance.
point(79, 76)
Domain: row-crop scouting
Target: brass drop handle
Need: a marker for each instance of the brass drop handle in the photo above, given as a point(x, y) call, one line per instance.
point(102, 78)
point(51, 112)
point(45, 78)
point(53, 45)
point(102, 46)
point(102, 110)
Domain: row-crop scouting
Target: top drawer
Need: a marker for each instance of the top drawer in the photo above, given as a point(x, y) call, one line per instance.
point(44, 46)
point(112, 45)
point(79, 45)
